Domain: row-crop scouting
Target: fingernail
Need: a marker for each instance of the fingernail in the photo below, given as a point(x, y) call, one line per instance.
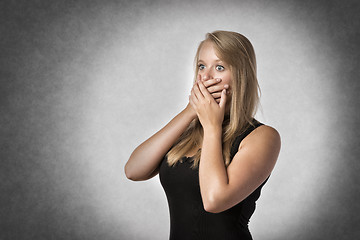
point(226, 86)
point(218, 79)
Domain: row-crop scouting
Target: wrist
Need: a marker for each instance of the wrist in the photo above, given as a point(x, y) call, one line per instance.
point(189, 112)
point(213, 131)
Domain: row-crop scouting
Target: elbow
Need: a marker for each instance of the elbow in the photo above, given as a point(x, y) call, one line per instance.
point(212, 205)
point(212, 208)
point(130, 177)
point(134, 174)
point(130, 174)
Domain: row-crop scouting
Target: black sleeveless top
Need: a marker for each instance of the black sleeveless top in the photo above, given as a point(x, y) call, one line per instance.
point(188, 219)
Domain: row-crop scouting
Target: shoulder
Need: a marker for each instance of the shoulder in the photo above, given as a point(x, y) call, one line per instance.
point(262, 137)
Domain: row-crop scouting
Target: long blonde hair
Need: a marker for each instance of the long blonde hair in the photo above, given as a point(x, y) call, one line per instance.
point(237, 52)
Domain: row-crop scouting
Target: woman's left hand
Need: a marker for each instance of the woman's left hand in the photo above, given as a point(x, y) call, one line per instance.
point(210, 113)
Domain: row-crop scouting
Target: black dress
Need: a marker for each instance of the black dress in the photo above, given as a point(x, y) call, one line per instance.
point(188, 219)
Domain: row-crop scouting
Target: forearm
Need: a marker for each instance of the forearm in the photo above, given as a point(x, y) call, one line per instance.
point(212, 172)
point(147, 156)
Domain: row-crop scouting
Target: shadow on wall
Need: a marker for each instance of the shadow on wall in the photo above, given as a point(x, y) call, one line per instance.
point(336, 219)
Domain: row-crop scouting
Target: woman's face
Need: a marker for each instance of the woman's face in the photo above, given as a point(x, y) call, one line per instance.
point(210, 66)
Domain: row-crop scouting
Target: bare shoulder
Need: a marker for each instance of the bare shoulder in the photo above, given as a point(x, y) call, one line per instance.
point(257, 155)
point(262, 138)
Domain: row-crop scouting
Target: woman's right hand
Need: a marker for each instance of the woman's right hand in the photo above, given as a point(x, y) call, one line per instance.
point(214, 87)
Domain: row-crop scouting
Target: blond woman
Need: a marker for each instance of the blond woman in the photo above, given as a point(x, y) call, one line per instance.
point(214, 157)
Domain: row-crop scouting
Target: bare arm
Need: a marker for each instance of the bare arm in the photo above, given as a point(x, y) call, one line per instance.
point(144, 161)
point(221, 187)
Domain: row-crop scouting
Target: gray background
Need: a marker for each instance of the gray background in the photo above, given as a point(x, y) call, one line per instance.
point(84, 82)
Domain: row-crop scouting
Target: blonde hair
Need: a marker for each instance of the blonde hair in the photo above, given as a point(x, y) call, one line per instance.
point(237, 52)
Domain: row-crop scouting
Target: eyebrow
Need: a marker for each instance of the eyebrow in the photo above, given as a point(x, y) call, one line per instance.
point(217, 60)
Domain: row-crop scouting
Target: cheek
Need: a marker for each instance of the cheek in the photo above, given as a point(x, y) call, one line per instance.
point(226, 79)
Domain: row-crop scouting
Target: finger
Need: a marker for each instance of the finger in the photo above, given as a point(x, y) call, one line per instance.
point(193, 96)
point(211, 82)
point(193, 88)
point(191, 101)
point(199, 95)
point(218, 100)
point(216, 88)
point(216, 95)
point(204, 91)
point(223, 99)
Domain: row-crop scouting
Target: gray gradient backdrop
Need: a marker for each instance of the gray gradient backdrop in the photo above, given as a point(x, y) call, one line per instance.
point(84, 82)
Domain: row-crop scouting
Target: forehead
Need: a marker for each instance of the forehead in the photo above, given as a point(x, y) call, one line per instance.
point(207, 51)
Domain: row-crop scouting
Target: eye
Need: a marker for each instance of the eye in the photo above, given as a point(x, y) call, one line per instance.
point(220, 68)
point(201, 66)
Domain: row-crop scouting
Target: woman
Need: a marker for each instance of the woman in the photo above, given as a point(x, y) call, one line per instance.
point(213, 157)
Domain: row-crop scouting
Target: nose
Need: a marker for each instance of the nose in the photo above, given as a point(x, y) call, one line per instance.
point(206, 75)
